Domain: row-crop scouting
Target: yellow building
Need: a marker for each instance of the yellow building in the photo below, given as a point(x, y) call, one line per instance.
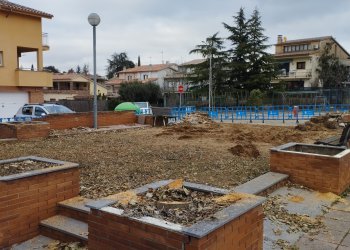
point(70, 86)
point(298, 60)
point(21, 35)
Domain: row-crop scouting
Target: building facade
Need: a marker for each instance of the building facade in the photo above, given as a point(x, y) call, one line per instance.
point(21, 30)
point(155, 73)
point(298, 60)
point(70, 86)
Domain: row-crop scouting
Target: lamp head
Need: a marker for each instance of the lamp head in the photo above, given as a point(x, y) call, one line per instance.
point(94, 19)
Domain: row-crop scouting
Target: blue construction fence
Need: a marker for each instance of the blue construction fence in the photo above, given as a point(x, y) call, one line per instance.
point(15, 119)
point(262, 113)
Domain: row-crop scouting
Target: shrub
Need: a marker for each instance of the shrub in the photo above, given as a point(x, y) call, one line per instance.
point(140, 92)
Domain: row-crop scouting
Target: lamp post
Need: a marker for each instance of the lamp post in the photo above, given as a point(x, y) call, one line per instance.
point(94, 20)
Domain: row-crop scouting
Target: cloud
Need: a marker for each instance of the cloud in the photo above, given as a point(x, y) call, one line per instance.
point(168, 30)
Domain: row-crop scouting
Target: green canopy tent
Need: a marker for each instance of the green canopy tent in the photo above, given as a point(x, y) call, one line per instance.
point(128, 106)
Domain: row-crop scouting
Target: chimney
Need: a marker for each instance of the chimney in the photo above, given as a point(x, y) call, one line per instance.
point(124, 68)
point(279, 39)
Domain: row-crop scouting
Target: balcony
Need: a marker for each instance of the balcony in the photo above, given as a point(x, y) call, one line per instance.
point(45, 41)
point(29, 78)
point(299, 74)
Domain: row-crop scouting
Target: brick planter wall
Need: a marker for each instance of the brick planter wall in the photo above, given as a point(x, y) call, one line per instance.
point(24, 130)
point(26, 199)
point(239, 226)
point(325, 173)
point(85, 119)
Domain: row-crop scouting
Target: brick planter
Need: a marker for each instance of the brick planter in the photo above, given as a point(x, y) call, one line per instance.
point(29, 197)
point(239, 226)
point(323, 168)
point(24, 130)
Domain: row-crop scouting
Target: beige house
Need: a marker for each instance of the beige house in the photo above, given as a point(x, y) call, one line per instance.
point(298, 60)
point(70, 86)
point(155, 73)
point(173, 81)
point(21, 35)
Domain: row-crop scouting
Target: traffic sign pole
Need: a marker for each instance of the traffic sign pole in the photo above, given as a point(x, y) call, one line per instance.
point(180, 89)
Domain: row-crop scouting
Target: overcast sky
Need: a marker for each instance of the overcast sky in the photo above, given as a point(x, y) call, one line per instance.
point(150, 27)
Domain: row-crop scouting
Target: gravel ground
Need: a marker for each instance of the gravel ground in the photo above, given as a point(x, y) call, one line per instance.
point(115, 161)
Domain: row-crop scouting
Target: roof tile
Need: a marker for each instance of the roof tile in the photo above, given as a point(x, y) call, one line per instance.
point(20, 9)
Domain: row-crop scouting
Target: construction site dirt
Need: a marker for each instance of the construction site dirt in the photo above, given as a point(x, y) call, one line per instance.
point(222, 155)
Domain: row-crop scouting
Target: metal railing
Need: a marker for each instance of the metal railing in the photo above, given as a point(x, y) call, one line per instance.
point(45, 39)
point(263, 113)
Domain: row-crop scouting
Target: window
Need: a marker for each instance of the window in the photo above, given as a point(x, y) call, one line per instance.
point(300, 65)
point(145, 77)
point(295, 48)
point(39, 111)
point(27, 110)
point(1, 59)
point(129, 78)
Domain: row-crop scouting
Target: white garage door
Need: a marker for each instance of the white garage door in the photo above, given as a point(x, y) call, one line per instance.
point(10, 102)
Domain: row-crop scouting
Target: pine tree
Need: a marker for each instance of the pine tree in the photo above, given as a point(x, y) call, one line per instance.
point(238, 54)
point(250, 66)
point(261, 68)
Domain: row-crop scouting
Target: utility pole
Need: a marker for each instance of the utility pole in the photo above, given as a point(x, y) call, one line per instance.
point(210, 79)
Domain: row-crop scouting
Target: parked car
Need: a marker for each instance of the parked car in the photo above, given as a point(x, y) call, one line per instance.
point(40, 110)
point(145, 107)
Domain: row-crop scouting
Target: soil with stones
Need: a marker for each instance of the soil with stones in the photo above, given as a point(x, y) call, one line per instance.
point(23, 166)
point(115, 161)
point(181, 205)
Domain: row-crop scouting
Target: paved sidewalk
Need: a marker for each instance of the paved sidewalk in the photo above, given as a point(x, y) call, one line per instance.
point(336, 235)
point(299, 201)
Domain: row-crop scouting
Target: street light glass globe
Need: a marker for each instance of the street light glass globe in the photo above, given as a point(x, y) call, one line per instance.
point(94, 19)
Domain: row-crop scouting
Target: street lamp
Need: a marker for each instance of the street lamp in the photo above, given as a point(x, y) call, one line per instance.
point(94, 20)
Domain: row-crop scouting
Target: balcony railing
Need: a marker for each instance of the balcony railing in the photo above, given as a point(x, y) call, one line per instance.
point(296, 74)
point(45, 41)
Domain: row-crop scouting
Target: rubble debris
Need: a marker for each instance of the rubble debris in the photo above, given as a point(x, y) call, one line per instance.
point(57, 245)
point(196, 118)
point(23, 166)
point(176, 204)
point(194, 123)
point(274, 209)
point(321, 123)
point(285, 245)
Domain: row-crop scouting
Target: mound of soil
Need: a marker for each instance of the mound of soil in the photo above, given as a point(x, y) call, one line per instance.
point(245, 150)
point(320, 123)
point(275, 136)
